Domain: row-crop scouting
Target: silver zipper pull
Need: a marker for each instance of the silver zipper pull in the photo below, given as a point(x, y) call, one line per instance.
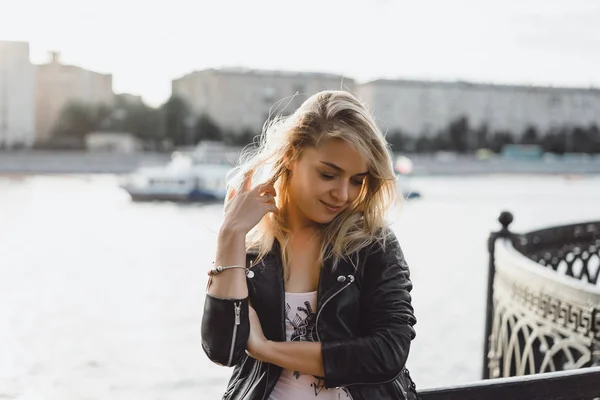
point(237, 312)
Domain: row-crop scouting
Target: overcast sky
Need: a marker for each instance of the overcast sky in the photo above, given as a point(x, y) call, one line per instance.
point(146, 44)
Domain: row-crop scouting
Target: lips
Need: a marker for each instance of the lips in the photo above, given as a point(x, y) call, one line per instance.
point(331, 207)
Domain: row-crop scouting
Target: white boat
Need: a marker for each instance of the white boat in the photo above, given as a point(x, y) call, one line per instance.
point(200, 175)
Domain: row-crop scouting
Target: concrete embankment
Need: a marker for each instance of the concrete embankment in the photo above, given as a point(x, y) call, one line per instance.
point(69, 162)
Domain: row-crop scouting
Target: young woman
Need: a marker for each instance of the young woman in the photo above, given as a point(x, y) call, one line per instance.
point(309, 296)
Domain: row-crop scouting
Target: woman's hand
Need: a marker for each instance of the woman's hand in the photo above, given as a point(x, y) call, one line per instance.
point(245, 209)
point(304, 357)
point(257, 342)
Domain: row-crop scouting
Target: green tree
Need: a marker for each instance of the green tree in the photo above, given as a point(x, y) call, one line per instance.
point(207, 129)
point(482, 137)
point(500, 139)
point(584, 140)
point(530, 136)
point(555, 141)
point(441, 141)
point(594, 135)
point(247, 136)
point(240, 138)
point(424, 144)
point(78, 119)
point(173, 114)
point(458, 134)
point(138, 119)
point(399, 141)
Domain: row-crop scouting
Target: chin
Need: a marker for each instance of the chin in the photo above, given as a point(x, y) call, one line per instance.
point(323, 218)
point(318, 216)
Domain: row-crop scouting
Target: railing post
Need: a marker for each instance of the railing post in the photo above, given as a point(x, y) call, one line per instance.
point(505, 219)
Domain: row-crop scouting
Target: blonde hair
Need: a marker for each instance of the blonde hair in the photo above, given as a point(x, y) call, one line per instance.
point(324, 116)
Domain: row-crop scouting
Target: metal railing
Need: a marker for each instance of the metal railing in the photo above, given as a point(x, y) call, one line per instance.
point(581, 384)
point(543, 311)
point(542, 330)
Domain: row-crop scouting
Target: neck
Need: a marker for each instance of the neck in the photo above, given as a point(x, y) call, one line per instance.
point(299, 224)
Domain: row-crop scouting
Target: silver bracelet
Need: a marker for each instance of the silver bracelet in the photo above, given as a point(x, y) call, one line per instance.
point(217, 270)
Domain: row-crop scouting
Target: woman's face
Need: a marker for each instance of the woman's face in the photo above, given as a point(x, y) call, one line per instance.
point(324, 181)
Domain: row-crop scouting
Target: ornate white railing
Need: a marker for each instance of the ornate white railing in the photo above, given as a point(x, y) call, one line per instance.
point(545, 300)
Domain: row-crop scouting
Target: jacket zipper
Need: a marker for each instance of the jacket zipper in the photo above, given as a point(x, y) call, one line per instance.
point(351, 278)
point(237, 310)
point(282, 287)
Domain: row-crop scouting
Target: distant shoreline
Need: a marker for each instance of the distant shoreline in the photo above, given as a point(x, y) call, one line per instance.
point(86, 163)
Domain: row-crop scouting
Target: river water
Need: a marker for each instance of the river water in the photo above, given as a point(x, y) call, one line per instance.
point(101, 298)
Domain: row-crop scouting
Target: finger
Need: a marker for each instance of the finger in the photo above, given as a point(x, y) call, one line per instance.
point(271, 208)
point(268, 198)
point(265, 188)
point(247, 182)
point(231, 194)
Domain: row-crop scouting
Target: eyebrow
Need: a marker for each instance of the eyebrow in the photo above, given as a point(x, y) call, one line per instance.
point(338, 168)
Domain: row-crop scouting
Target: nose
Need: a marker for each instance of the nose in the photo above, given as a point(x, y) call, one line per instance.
point(341, 192)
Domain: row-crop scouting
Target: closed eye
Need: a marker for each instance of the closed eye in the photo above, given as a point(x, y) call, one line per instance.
point(328, 177)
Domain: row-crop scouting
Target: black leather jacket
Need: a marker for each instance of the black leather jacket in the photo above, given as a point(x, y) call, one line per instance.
point(364, 323)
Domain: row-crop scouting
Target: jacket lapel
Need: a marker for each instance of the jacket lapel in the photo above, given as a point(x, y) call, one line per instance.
point(267, 294)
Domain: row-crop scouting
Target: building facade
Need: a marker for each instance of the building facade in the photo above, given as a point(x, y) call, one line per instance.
point(238, 99)
point(57, 85)
point(17, 104)
point(421, 108)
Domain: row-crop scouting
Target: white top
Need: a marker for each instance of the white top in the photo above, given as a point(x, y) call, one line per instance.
point(300, 325)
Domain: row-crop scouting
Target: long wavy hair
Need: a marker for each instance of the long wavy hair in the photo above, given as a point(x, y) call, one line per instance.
point(324, 116)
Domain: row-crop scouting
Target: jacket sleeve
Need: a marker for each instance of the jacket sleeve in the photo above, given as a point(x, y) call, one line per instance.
point(225, 329)
point(387, 318)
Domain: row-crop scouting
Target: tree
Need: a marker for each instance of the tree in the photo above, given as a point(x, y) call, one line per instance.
point(530, 136)
point(78, 119)
point(138, 119)
point(424, 144)
point(173, 114)
point(584, 140)
point(399, 141)
point(246, 137)
point(441, 141)
point(500, 139)
point(594, 134)
point(240, 138)
point(207, 129)
point(554, 141)
point(481, 137)
point(458, 134)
